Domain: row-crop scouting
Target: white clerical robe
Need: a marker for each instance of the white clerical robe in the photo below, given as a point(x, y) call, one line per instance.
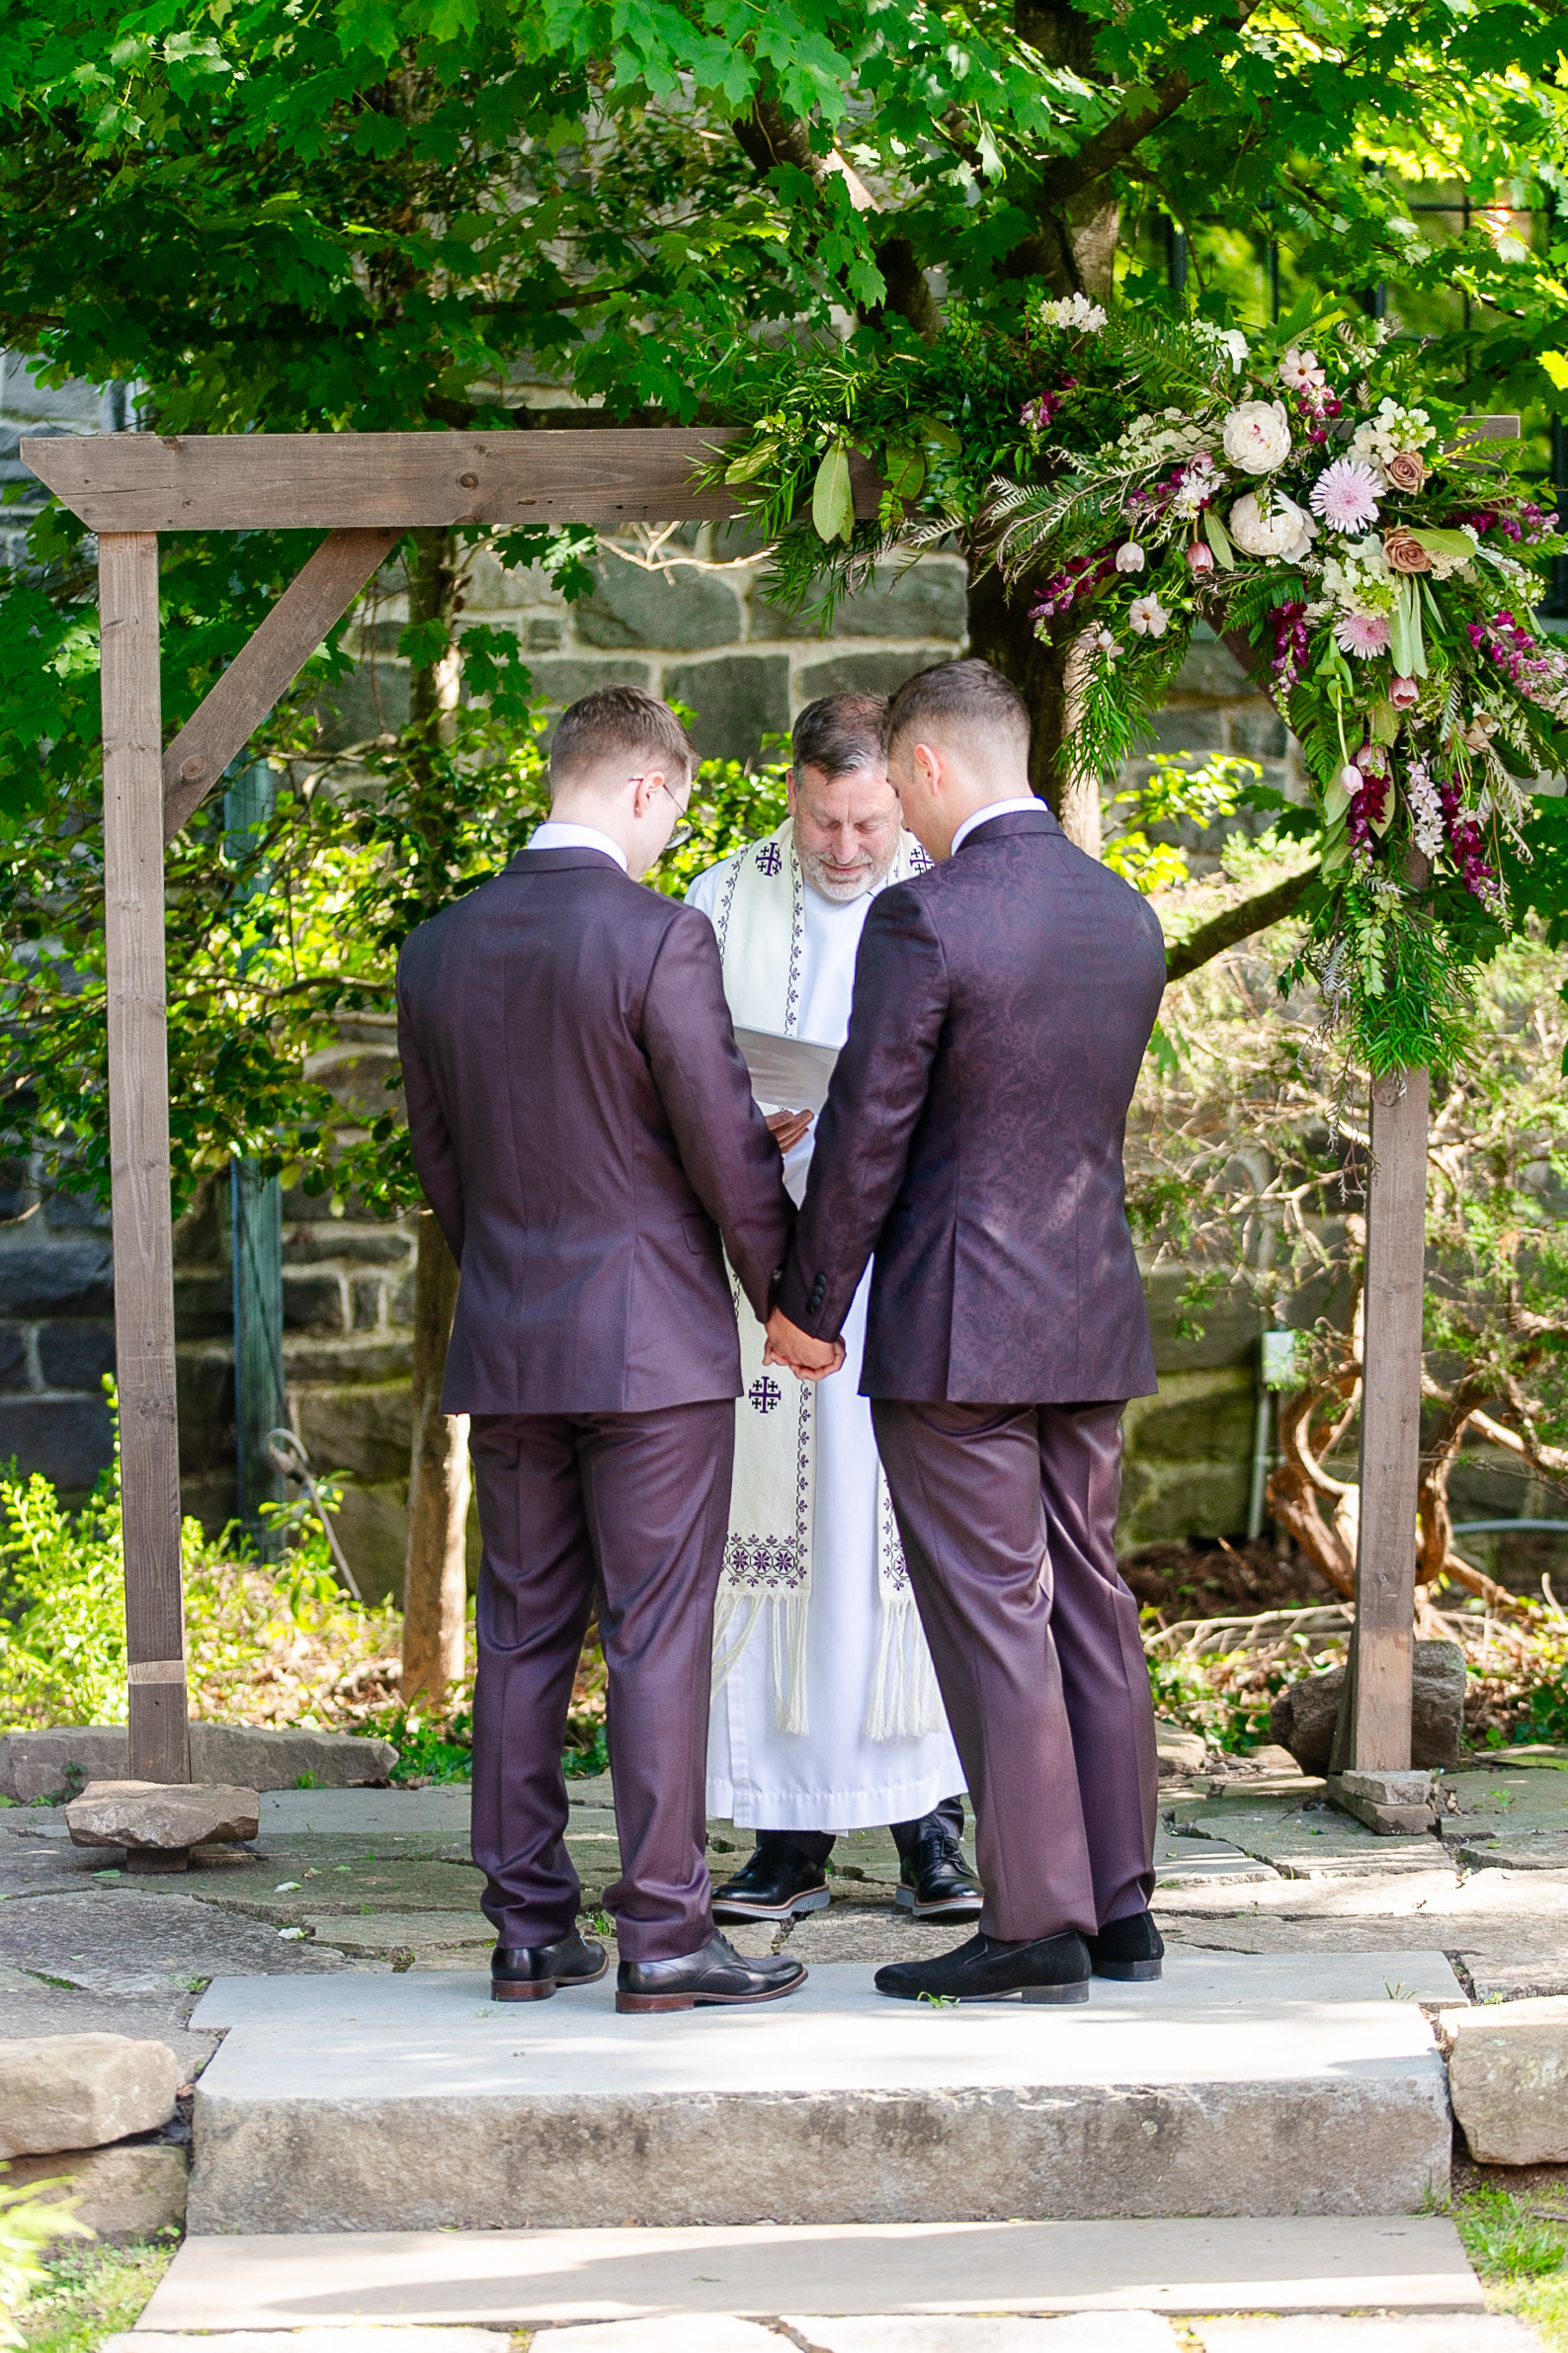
point(833, 1776)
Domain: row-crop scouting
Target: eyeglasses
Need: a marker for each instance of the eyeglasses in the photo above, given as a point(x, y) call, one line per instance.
point(683, 833)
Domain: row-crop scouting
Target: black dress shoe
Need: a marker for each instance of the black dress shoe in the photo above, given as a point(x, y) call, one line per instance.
point(1054, 1969)
point(717, 1973)
point(935, 1884)
point(530, 1973)
point(1128, 1949)
point(777, 1883)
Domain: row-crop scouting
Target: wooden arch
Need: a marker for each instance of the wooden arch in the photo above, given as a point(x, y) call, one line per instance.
point(366, 490)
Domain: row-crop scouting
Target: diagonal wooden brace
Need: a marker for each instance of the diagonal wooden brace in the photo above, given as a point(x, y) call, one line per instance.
point(266, 666)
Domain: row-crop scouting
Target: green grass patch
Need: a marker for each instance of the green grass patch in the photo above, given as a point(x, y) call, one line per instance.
point(90, 2291)
point(1520, 2247)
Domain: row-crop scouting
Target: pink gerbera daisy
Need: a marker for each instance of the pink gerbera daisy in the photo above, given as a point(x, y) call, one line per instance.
point(1344, 495)
point(1363, 634)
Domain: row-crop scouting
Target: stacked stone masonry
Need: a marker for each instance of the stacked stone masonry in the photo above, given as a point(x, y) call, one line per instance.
point(711, 639)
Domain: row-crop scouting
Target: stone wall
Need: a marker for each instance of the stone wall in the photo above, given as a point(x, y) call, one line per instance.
point(711, 640)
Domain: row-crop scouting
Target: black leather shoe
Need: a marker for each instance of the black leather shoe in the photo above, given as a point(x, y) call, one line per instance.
point(717, 1974)
point(1054, 1969)
point(935, 1881)
point(1127, 1949)
point(777, 1883)
point(530, 1973)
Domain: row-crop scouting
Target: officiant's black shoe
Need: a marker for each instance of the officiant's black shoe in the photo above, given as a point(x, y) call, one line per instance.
point(530, 1973)
point(1054, 1969)
point(777, 1883)
point(936, 1882)
point(1127, 1949)
point(715, 1975)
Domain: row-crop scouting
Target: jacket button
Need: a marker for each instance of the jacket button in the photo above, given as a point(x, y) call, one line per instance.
point(818, 1293)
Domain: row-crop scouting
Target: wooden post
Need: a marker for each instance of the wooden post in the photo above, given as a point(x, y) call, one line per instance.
point(1390, 1448)
point(139, 1142)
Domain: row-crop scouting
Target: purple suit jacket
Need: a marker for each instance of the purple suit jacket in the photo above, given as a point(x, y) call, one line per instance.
point(972, 1134)
point(583, 1128)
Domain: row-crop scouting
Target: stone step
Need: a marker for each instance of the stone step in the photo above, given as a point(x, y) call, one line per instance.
point(513, 2279)
point(1239, 2084)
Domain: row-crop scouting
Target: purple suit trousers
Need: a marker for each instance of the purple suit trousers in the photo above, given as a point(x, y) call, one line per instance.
point(1008, 1515)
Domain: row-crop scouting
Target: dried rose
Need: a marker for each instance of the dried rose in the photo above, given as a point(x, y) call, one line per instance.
point(1404, 551)
point(1405, 693)
point(1406, 469)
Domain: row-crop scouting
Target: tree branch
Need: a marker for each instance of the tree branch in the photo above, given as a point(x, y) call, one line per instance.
point(1237, 923)
point(1071, 174)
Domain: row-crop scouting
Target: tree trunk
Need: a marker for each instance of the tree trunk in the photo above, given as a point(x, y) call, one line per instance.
point(435, 1579)
point(434, 1582)
point(1003, 634)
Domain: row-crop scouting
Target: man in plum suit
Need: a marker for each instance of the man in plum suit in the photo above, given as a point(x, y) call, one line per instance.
point(583, 1128)
point(972, 1140)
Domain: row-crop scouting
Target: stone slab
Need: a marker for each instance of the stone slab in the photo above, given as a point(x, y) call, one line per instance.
point(1234, 2084)
point(79, 2091)
point(672, 2332)
point(1508, 2074)
point(973, 2332)
point(120, 1939)
point(32, 1764)
point(350, 2338)
point(521, 2277)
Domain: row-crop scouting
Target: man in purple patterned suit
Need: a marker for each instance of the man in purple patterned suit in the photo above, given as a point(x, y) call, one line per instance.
point(583, 1128)
point(973, 1142)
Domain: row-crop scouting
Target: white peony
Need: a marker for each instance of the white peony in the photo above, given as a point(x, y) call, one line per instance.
point(1257, 436)
point(1283, 530)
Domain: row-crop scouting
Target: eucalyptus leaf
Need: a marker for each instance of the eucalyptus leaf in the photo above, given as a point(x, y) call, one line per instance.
point(1335, 853)
point(1456, 544)
point(1336, 800)
point(832, 498)
point(1218, 538)
point(1380, 825)
point(1405, 647)
point(752, 462)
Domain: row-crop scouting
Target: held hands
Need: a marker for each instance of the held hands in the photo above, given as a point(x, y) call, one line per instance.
point(790, 1346)
point(787, 1127)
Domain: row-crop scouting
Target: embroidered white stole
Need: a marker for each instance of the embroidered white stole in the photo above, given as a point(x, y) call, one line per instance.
point(759, 915)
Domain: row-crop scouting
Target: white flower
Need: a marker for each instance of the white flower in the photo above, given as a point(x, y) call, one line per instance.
point(1147, 617)
point(291, 1936)
point(1075, 311)
point(1199, 483)
point(1283, 530)
point(1299, 370)
point(1130, 557)
point(1257, 436)
point(1426, 813)
point(1103, 642)
point(1344, 494)
point(1359, 579)
point(1393, 428)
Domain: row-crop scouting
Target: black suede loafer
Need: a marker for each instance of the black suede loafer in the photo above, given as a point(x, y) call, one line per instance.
point(532, 1973)
point(715, 1975)
point(777, 1883)
point(1054, 1969)
point(1129, 1949)
point(936, 1882)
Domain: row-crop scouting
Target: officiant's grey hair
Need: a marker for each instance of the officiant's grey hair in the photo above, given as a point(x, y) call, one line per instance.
point(839, 735)
point(618, 723)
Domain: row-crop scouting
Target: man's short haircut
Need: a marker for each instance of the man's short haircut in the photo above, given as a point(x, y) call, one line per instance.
point(840, 734)
point(953, 696)
point(618, 722)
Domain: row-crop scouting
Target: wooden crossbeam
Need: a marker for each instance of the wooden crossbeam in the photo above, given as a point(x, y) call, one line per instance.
point(265, 667)
point(399, 481)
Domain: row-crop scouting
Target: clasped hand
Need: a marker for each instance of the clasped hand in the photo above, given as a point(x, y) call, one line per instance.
point(790, 1346)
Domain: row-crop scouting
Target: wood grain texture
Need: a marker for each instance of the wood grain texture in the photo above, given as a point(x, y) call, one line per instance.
point(360, 482)
point(1391, 1443)
point(265, 667)
point(139, 1142)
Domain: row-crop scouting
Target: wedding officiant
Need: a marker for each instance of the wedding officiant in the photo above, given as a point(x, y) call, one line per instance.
point(825, 1715)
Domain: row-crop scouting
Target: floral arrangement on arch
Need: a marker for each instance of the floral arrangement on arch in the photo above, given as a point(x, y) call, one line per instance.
point(1372, 563)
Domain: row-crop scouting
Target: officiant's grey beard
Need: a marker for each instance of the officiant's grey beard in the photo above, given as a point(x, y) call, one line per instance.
point(846, 831)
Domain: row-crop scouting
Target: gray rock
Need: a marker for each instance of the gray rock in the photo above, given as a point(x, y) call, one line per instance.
point(925, 600)
point(866, 673)
point(249, 1756)
point(54, 1278)
point(1508, 2080)
point(738, 699)
point(1179, 1750)
point(629, 607)
point(121, 2193)
point(68, 1439)
point(77, 2091)
point(1303, 1715)
point(169, 1817)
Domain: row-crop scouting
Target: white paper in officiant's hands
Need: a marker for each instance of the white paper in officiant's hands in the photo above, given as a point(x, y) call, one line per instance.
point(790, 1074)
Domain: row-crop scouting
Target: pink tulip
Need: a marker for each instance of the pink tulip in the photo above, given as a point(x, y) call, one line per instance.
point(1200, 558)
point(1405, 693)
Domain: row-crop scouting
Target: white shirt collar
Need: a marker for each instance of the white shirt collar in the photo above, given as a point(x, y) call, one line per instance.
point(994, 809)
point(553, 834)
